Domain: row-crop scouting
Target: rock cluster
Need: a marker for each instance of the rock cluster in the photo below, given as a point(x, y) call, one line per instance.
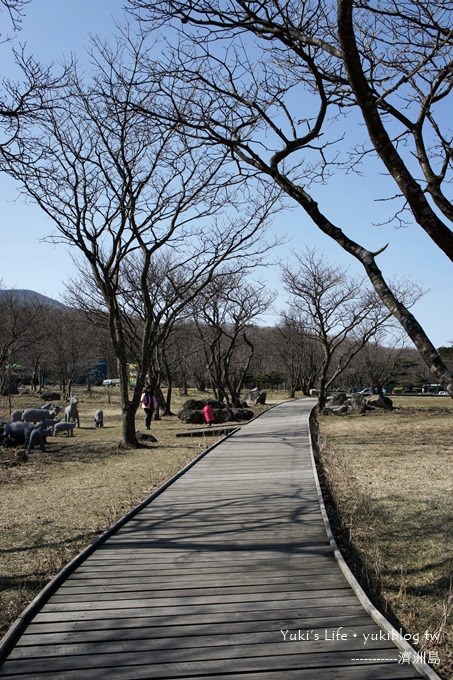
point(192, 412)
point(341, 403)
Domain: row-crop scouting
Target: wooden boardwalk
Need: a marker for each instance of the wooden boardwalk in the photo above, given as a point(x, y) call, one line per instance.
point(227, 574)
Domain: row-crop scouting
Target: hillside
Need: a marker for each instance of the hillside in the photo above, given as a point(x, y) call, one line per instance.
point(23, 296)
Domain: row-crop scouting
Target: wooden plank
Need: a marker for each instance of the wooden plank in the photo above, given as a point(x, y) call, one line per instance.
point(178, 615)
point(128, 584)
point(203, 571)
point(192, 575)
point(198, 647)
point(343, 673)
point(367, 671)
point(218, 593)
point(76, 631)
point(310, 598)
point(206, 662)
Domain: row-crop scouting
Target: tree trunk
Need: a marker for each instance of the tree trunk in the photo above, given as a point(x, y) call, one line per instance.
point(129, 435)
point(166, 403)
point(168, 411)
point(322, 399)
point(35, 380)
point(128, 406)
point(323, 383)
point(439, 232)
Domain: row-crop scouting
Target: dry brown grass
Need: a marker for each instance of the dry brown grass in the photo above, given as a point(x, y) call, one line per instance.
point(391, 478)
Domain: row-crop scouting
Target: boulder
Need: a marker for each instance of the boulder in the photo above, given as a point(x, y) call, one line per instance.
point(215, 404)
point(222, 412)
point(327, 411)
point(241, 414)
point(357, 402)
point(145, 437)
point(222, 415)
point(344, 408)
point(191, 416)
point(379, 401)
point(51, 396)
point(193, 405)
point(336, 410)
point(338, 399)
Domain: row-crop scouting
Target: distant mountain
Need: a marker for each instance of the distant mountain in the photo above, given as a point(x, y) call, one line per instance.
point(30, 297)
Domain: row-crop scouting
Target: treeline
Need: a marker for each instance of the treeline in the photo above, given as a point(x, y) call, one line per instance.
point(221, 348)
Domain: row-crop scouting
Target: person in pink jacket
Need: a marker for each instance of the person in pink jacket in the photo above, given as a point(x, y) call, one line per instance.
point(208, 414)
point(147, 402)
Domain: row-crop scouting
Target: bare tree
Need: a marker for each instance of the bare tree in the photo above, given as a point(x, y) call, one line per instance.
point(340, 313)
point(130, 194)
point(22, 328)
point(380, 361)
point(298, 352)
point(15, 11)
point(223, 315)
point(401, 54)
point(274, 81)
point(180, 355)
point(73, 348)
point(25, 99)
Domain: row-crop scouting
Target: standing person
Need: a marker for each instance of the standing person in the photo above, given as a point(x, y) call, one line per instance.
point(208, 414)
point(147, 402)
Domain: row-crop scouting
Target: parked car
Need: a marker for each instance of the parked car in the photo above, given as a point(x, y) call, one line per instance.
point(367, 390)
point(110, 382)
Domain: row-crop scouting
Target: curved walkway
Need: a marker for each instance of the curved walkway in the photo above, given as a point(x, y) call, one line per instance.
point(228, 573)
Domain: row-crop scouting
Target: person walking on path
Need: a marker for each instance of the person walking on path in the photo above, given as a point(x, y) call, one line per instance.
point(147, 402)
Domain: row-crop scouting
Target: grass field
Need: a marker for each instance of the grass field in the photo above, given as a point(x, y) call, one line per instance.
point(389, 472)
point(390, 475)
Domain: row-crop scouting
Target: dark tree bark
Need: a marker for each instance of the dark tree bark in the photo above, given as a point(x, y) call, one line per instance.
point(367, 99)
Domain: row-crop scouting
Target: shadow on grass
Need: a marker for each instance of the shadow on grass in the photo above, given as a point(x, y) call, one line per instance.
point(78, 539)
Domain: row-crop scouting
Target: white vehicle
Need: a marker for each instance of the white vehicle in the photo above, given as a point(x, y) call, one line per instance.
point(111, 382)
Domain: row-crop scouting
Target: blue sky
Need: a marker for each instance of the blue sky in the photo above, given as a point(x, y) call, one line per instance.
point(53, 28)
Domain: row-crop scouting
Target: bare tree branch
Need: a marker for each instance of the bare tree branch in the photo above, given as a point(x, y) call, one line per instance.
point(152, 213)
point(270, 82)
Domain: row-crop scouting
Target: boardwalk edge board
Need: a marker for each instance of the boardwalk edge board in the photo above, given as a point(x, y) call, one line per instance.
point(403, 645)
point(10, 638)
